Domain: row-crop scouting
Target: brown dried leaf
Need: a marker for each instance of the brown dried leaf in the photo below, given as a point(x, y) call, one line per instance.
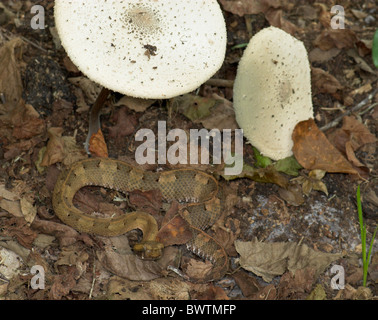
point(336, 38)
point(27, 123)
point(359, 133)
point(312, 182)
point(8, 195)
point(65, 234)
point(61, 110)
point(244, 7)
point(88, 202)
point(194, 107)
point(55, 147)
point(97, 145)
point(276, 19)
point(176, 231)
point(10, 77)
point(149, 201)
point(359, 14)
point(325, 15)
point(222, 115)
point(19, 229)
point(69, 65)
point(271, 9)
point(292, 194)
point(118, 258)
point(62, 286)
point(266, 175)
point(313, 150)
point(136, 104)
point(350, 137)
point(268, 292)
point(272, 259)
point(72, 255)
point(296, 285)
point(362, 64)
point(82, 106)
point(16, 149)
point(159, 289)
point(323, 82)
point(247, 284)
point(317, 184)
point(123, 289)
point(13, 207)
point(196, 269)
point(90, 88)
point(171, 212)
point(126, 124)
point(226, 236)
point(28, 210)
point(211, 293)
point(351, 156)
point(72, 152)
point(61, 149)
point(318, 55)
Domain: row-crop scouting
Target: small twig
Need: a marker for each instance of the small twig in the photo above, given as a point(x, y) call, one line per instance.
point(3, 278)
point(93, 281)
point(9, 35)
point(178, 272)
point(220, 83)
point(359, 106)
point(34, 44)
point(369, 108)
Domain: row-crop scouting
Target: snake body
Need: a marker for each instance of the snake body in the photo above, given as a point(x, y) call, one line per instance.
point(198, 192)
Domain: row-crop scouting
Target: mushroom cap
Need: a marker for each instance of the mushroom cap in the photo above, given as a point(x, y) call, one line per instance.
point(147, 49)
point(272, 91)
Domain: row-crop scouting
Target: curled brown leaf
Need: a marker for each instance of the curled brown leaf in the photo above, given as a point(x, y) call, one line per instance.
point(313, 150)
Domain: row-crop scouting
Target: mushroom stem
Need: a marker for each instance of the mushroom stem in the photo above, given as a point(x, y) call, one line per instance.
point(94, 116)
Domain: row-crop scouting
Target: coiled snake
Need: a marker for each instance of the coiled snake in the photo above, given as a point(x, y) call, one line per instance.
point(198, 191)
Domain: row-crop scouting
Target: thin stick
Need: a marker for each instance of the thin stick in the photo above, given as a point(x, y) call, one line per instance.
point(9, 35)
point(220, 83)
point(93, 281)
point(359, 106)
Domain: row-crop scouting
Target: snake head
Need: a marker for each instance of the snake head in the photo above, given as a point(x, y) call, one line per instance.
point(149, 250)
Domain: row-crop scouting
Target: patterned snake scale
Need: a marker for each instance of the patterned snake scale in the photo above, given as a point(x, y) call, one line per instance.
point(199, 193)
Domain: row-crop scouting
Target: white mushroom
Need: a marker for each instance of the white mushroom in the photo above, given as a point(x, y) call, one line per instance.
point(146, 49)
point(272, 91)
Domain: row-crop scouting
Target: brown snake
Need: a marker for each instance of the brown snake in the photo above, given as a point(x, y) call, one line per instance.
point(198, 191)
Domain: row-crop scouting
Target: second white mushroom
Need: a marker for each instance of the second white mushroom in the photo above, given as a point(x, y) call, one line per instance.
point(272, 91)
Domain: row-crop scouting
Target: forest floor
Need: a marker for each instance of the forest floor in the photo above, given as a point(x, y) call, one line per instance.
point(280, 247)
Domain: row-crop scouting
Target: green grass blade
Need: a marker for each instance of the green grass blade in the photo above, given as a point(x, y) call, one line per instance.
point(362, 227)
point(371, 244)
point(365, 259)
point(359, 209)
point(363, 235)
point(240, 46)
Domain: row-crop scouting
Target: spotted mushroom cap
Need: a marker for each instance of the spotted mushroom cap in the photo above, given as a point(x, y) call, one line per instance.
point(147, 49)
point(272, 91)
